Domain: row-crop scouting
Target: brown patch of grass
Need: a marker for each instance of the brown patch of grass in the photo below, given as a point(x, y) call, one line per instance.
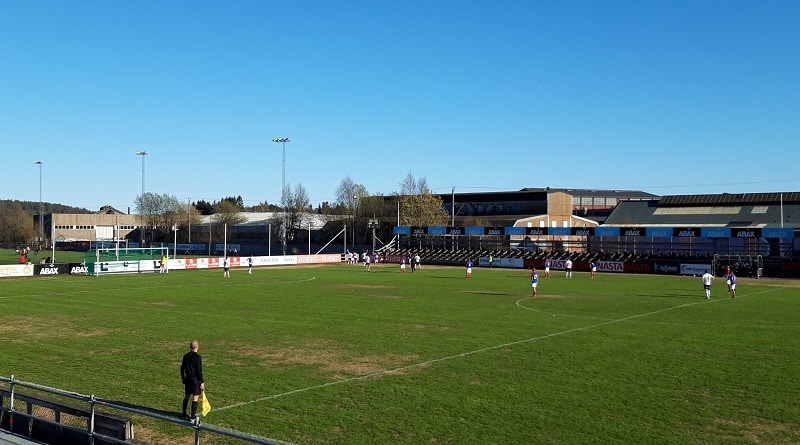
point(326, 356)
point(149, 435)
point(483, 292)
point(435, 328)
point(753, 431)
point(159, 303)
point(44, 327)
point(773, 282)
point(360, 286)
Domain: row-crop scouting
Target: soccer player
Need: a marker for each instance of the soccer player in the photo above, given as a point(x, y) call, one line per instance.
point(568, 266)
point(547, 267)
point(593, 268)
point(250, 265)
point(469, 268)
point(707, 278)
point(366, 261)
point(732, 285)
point(534, 280)
point(728, 277)
point(163, 268)
point(226, 266)
point(403, 264)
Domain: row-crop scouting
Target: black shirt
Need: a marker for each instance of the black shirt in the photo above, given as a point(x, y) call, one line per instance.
point(192, 368)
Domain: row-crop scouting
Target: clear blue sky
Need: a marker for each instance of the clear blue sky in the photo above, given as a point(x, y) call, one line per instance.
point(668, 97)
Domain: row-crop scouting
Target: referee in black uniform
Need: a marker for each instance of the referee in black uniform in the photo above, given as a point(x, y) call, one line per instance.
point(192, 377)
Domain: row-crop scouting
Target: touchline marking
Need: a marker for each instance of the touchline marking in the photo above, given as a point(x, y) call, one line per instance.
point(463, 354)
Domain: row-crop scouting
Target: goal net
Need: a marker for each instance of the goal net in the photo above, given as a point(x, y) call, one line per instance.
point(107, 259)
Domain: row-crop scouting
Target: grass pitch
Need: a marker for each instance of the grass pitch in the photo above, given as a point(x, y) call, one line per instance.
point(336, 355)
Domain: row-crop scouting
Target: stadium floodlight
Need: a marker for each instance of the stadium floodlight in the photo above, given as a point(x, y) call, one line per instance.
point(283, 142)
point(41, 222)
point(142, 153)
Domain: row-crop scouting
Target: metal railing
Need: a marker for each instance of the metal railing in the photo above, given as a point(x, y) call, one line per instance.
point(95, 434)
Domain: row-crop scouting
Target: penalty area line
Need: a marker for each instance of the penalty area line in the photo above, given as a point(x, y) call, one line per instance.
point(455, 356)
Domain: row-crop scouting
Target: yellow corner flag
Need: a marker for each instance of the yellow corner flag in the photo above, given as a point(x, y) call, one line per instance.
point(206, 405)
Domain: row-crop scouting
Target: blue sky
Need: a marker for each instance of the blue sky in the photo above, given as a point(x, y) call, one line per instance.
point(668, 97)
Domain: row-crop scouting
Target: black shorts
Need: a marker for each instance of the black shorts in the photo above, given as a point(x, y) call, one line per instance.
point(192, 389)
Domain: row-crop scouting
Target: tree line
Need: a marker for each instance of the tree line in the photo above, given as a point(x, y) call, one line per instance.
point(353, 208)
point(19, 220)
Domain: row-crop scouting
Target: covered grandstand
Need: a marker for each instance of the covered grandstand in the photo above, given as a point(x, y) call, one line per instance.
point(756, 232)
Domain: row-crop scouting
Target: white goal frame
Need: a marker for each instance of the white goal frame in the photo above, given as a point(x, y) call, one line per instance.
point(117, 250)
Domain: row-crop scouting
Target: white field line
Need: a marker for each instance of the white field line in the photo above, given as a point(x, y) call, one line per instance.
point(463, 354)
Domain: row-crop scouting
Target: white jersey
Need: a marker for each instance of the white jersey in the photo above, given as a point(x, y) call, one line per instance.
point(707, 277)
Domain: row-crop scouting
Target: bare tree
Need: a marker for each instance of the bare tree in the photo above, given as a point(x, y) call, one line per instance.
point(295, 205)
point(414, 186)
point(159, 213)
point(418, 206)
point(349, 195)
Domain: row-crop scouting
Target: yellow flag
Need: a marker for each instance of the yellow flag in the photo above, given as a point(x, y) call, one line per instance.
point(206, 405)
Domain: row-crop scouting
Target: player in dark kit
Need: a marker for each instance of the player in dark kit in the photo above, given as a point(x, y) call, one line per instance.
point(192, 377)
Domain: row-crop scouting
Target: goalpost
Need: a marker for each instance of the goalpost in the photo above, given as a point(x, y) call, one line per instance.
point(104, 260)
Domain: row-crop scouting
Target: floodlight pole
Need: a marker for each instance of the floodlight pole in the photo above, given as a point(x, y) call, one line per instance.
point(142, 153)
point(283, 142)
point(189, 218)
point(41, 222)
point(355, 208)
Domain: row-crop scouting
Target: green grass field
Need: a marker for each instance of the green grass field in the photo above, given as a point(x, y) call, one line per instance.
point(336, 355)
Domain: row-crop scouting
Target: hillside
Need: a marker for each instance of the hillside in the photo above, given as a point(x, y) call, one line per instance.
point(47, 207)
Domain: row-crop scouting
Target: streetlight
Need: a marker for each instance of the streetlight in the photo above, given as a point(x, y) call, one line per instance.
point(283, 142)
point(142, 153)
point(41, 222)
